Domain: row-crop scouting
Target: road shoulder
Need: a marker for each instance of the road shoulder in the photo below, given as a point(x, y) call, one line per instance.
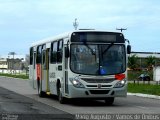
point(145, 95)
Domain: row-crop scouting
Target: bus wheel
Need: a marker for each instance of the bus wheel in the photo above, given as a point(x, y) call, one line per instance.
point(61, 99)
point(109, 101)
point(40, 92)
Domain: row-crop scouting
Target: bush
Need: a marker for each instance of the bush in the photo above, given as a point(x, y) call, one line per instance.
point(15, 76)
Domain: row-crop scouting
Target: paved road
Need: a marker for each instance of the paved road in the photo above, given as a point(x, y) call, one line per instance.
point(130, 105)
point(14, 106)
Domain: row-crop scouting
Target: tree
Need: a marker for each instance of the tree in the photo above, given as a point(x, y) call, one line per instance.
point(150, 61)
point(132, 61)
point(27, 60)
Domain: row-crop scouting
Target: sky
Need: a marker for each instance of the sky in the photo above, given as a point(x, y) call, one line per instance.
point(23, 22)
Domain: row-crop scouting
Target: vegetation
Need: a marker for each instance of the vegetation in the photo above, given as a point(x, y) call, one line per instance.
point(132, 61)
point(138, 66)
point(135, 63)
point(150, 61)
point(144, 88)
point(133, 74)
point(22, 76)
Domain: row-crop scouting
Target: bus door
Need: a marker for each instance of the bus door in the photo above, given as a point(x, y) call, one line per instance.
point(65, 72)
point(45, 70)
point(34, 71)
point(32, 67)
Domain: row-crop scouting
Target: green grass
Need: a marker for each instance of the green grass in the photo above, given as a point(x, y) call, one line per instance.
point(15, 76)
point(133, 75)
point(144, 88)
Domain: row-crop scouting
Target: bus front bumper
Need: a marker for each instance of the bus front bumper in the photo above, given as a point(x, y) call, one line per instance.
point(97, 93)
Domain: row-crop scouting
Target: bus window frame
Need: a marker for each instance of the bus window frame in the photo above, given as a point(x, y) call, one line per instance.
point(53, 49)
point(31, 56)
point(39, 54)
point(60, 51)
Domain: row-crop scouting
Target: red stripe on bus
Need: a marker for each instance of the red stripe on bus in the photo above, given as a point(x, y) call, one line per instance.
point(38, 69)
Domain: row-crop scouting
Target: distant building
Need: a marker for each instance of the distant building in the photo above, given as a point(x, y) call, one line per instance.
point(3, 63)
point(146, 54)
point(8, 63)
point(142, 57)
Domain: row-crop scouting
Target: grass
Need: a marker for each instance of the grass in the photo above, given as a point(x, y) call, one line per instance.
point(133, 75)
point(144, 88)
point(22, 76)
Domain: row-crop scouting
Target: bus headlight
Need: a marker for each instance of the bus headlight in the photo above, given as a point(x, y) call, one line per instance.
point(76, 83)
point(120, 84)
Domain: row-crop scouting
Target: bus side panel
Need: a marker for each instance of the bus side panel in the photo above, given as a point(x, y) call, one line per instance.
point(31, 76)
point(52, 79)
point(32, 70)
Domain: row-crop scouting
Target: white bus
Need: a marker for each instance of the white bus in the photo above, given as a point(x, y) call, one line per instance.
point(80, 64)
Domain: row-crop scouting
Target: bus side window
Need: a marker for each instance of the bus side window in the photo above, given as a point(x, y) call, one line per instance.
point(44, 55)
point(60, 51)
point(53, 58)
point(31, 56)
point(39, 54)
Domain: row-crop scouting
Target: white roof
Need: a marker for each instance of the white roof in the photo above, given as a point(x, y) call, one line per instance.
point(146, 54)
point(64, 35)
point(49, 39)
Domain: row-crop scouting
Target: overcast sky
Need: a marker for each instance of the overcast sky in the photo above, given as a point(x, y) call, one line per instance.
point(25, 21)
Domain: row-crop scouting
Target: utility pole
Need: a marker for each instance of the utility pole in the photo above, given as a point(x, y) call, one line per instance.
point(12, 61)
point(75, 24)
point(121, 29)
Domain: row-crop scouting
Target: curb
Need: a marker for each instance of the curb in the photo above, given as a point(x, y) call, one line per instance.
point(145, 95)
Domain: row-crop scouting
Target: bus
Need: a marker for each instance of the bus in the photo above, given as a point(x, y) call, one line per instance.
point(80, 64)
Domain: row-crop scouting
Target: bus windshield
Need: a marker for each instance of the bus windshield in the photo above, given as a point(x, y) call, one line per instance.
point(106, 59)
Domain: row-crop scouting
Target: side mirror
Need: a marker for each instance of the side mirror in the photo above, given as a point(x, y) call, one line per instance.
point(66, 52)
point(128, 49)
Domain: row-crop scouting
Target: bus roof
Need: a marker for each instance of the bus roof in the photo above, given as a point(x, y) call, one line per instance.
point(50, 39)
point(64, 35)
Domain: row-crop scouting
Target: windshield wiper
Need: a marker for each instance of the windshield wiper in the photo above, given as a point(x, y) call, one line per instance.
point(109, 46)
point(92, 51)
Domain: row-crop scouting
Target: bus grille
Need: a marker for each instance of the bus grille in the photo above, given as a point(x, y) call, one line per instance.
point(99, 91)
point(97, 86)
point(89, 80)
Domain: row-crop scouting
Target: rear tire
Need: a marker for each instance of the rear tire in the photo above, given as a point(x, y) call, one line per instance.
point(109, 101)
point(40, 92)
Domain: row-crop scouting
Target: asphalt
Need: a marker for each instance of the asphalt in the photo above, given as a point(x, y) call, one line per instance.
point(130, 104)
point(14, 106)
